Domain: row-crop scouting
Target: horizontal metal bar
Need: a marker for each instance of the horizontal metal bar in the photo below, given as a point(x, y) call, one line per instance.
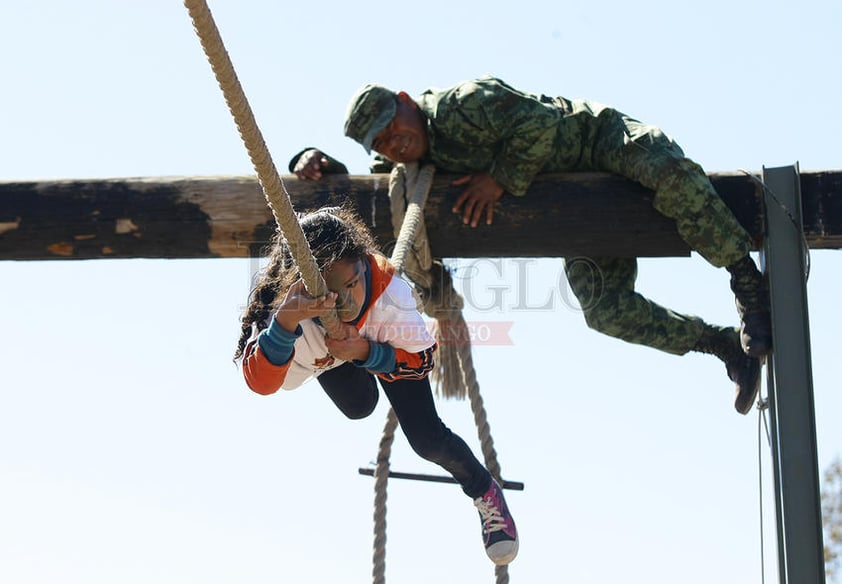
point(511, 485)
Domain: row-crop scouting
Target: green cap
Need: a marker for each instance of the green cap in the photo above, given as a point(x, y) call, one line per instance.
point(369, 111)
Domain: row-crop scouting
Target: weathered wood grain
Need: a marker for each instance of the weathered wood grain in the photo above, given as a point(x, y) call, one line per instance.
point(226, 216)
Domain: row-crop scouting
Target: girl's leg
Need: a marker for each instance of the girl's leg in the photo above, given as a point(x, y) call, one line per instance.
point(351, 388)
point(412, 400)
point(413, 403)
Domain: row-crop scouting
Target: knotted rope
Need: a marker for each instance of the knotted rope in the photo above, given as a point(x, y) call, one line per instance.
point(456, 370)
point(267, 174)
point(439, 300)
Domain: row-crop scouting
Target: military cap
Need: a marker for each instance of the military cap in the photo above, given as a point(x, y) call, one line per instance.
point(369, 112)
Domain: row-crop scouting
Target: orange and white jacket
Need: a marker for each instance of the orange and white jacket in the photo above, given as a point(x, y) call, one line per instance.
point(390, 317)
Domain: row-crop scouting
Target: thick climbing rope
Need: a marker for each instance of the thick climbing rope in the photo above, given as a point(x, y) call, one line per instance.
point(412, 256)
point(439, 299)
point(267, 174)
point(279, 202)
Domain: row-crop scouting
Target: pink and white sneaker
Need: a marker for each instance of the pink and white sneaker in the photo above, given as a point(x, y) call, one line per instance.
point(499, 533)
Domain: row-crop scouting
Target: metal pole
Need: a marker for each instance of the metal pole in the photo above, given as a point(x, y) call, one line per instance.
point(798, 505)
point(513, 485)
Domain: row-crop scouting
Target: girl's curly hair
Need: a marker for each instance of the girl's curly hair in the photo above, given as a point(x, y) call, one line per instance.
point(333, 234)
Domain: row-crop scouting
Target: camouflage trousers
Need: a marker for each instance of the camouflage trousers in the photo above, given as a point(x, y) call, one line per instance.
point(683, 192)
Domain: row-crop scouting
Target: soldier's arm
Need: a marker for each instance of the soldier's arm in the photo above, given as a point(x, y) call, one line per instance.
point(522, 127)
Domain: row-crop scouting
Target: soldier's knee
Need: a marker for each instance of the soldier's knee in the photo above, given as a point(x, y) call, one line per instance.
point(586, 281)
point(603, 317)
point(683, 189)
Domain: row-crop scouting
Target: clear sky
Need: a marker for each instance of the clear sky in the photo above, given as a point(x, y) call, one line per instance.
point(131, 451)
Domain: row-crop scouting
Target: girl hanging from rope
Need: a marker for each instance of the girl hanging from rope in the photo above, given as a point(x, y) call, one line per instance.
point(283, 344)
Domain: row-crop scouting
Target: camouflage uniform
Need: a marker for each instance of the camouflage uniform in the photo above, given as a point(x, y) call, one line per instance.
point(486, 125)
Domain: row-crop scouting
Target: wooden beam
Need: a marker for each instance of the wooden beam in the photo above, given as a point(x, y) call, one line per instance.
point(226, 216)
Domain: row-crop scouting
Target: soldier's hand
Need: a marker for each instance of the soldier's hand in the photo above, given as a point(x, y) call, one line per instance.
point(310, 164)
point(478, 199)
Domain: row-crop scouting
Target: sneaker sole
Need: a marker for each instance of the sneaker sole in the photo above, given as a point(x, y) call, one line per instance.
point(508, 558)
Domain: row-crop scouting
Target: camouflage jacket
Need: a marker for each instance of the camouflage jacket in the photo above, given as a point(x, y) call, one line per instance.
point(486, 125)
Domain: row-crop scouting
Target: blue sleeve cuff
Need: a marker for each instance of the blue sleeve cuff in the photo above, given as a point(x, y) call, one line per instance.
point(277, 343)
point(381, 358)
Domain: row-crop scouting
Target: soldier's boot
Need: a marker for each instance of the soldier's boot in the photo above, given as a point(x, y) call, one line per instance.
point(743, 370)
point(752, 298)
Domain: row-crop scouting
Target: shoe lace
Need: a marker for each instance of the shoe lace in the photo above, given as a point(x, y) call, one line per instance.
point(492, 519)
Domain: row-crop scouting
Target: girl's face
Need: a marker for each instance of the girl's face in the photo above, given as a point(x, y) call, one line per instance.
point(347, 279)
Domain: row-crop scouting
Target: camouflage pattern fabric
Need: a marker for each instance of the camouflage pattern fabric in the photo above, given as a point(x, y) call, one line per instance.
point(486, 125)
point(605, 290)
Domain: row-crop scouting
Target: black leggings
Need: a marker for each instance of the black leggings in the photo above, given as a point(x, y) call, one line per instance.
point(355, 393)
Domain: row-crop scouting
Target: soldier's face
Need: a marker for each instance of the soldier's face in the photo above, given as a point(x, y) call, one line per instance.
point(405, 138)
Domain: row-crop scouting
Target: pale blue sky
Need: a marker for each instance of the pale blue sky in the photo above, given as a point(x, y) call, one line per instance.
point(130, 449)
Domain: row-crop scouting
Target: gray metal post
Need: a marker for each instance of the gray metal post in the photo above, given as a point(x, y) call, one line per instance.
point(798, 504)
